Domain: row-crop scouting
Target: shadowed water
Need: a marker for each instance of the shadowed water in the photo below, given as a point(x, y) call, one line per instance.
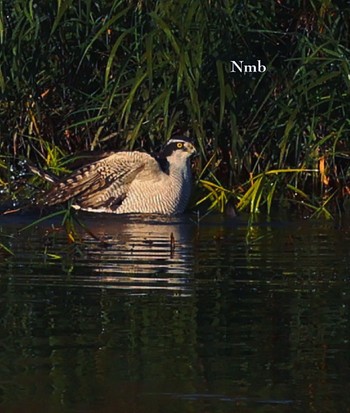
point(152, 314)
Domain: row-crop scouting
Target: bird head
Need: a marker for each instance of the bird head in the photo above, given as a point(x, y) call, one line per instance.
point(179, 147)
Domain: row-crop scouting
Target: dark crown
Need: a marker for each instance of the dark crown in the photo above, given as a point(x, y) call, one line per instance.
point(173, 145)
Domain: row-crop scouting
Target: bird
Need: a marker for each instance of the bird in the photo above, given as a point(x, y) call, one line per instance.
point(131, 182)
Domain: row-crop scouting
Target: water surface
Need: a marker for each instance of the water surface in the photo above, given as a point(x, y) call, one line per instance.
point(151, 314)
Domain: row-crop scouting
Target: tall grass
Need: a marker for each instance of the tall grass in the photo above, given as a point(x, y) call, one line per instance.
point(89, 75)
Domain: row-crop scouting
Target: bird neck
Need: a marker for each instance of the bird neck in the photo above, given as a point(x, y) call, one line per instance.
point(179, 169)
point(174, 165)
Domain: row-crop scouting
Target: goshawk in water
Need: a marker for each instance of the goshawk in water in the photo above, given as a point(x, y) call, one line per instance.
point(131, 182)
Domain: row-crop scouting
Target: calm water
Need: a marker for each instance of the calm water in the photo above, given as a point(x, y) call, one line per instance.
point(163, 315)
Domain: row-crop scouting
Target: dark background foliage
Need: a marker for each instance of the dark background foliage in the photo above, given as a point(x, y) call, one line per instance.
point(86, 75)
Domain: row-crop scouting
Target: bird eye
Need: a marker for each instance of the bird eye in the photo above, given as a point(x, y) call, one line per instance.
point(179, 145)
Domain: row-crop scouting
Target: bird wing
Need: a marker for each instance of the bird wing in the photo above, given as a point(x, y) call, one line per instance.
point(104, 183)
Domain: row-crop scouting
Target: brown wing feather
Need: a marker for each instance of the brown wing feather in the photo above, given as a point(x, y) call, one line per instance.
point(102, 183)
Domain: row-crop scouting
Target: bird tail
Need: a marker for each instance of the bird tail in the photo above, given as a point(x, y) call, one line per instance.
point(47, 176)
point(74, 186)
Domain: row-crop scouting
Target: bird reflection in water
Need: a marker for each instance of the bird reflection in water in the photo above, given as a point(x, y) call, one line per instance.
point(147, 252)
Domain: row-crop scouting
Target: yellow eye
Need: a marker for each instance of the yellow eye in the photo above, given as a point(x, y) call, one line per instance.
point(179, 145)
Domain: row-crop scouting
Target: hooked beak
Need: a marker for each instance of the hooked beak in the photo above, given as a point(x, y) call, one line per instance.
point(190, 148)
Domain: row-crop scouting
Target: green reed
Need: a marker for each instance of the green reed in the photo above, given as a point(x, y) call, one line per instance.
point(88, 75)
